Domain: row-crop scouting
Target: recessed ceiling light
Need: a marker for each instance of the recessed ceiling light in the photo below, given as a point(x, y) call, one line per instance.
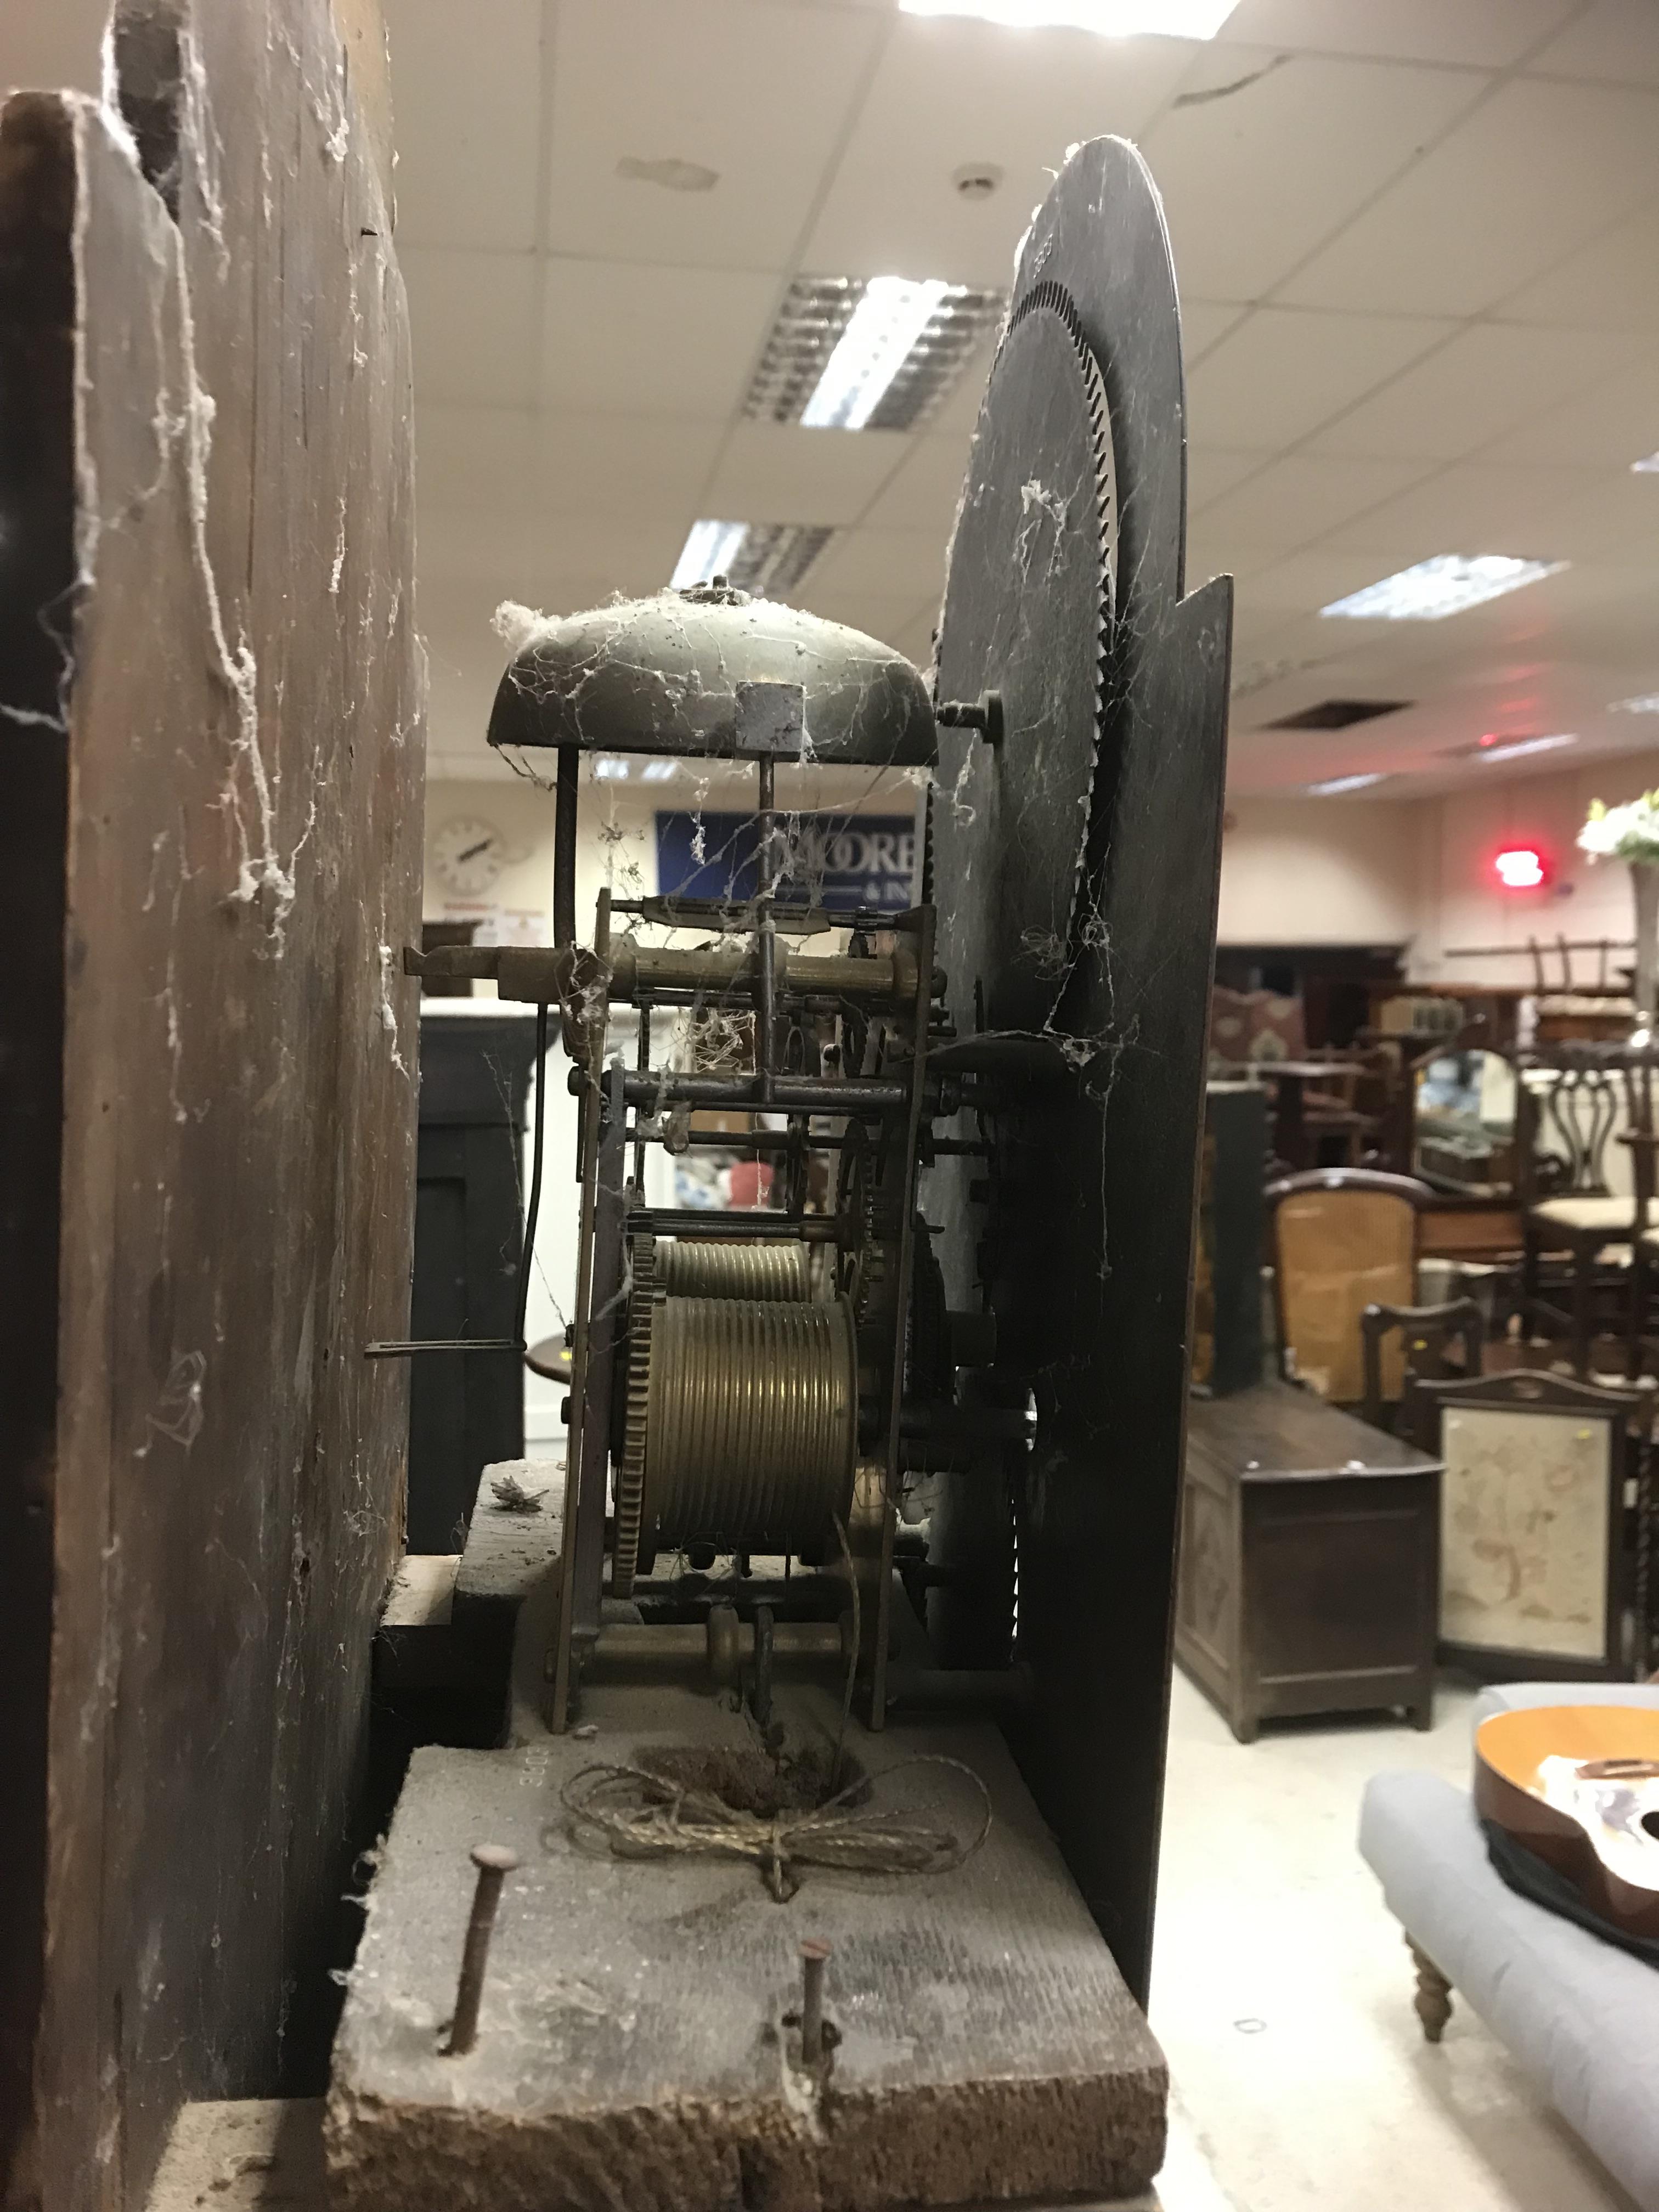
point(659, 771)
point(763, 557)
point(1517, 746)
point(1647, 466)
point(867, 354)
point(1443, 585)
point(1644, 702)
point(1113, 18)
point(1330, 788)
point(609, 768)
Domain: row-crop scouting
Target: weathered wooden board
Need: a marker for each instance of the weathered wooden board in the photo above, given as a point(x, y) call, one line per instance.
point(255, 2157)
point(633, 2045)
point(211, 750)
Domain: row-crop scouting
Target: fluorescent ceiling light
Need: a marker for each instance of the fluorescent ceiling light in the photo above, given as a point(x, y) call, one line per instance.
point(1644, 702)
point(814, 328)
point(1334, 784)
point(708, 551)
point(767, 558)
point(886, 323)
point(1513, 750)
point(658, 771)
point(609, 768)
point(1647, 466)
point(1113, 18)
point(1441, 586)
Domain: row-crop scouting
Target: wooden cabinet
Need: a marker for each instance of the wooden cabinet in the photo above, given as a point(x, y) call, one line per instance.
point(466, 1409)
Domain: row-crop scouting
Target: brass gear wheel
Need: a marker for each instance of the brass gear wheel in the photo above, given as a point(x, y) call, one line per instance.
point(862, 1263)
point(630, 1469)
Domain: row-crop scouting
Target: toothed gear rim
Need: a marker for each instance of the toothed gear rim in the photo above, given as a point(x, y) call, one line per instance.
point(631, 1471)
point(1028, 613)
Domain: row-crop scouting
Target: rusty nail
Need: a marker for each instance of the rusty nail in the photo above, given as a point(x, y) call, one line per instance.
point(495, 1862)
point(814, 1951)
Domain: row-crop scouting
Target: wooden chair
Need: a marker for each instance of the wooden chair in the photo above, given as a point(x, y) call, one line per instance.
point(1331, 1115)
point(1643, 1143)
point(1564, 1128)
point(1427, 1333)
point(1545, 1521)
point(1343, 1239)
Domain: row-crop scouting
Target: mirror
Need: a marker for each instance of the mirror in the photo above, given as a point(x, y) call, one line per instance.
point(1464, 1123)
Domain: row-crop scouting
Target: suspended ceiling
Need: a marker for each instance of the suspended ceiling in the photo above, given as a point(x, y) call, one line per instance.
point(1417, 243)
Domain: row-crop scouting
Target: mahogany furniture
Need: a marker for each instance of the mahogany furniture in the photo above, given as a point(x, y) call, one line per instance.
point(1294, 1124)
point(1309, 1561)
point(1564, 1124)
point(1227, 1331)
point(1425, 1333)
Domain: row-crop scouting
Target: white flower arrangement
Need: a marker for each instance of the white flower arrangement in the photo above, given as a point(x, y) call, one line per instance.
point(1630, 832)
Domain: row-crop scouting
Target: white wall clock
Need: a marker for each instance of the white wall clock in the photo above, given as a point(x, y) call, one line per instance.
point(468, 856)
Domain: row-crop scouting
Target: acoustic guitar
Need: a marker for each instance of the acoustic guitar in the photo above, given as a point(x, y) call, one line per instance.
point(1578, 1787)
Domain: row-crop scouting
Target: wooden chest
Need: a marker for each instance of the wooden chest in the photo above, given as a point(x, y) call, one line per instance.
point(1309, 1561)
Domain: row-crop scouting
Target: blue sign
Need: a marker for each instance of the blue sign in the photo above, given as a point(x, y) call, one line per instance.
point(836, 861)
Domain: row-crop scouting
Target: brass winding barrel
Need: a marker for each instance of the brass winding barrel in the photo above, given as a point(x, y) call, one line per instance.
point(693, 1268)
point(753, 1426)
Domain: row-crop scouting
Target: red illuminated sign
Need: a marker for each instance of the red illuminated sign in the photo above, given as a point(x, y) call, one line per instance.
point(1520, 868)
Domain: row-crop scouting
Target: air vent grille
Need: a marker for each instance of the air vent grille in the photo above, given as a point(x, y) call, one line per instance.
point(1337, 713)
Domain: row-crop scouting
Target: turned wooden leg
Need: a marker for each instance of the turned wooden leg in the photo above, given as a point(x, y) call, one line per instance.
point(1583, 1267)
point(1432, 2003)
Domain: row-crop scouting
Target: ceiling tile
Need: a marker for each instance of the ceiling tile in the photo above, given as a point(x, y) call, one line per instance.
point(1616, 40)
point(1609, 424)
point(623, 465)
point(877, 616)
point(1284, 371)
point(1605, 284)
point(534, 559)
point(1485, 34)
point(1534, 172)
point(1541, 513)
point(472, 325)
point(1203, 324)
point(1490, 377)
point(777, 472)
point(627, 338)
point(1299, 498)
point(924, 491)
point(516, 463)
point(1210, 472)
point(949, 93)
point(883, 564)
point(1252, 183)
point(466, 87)
point(760, 93)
